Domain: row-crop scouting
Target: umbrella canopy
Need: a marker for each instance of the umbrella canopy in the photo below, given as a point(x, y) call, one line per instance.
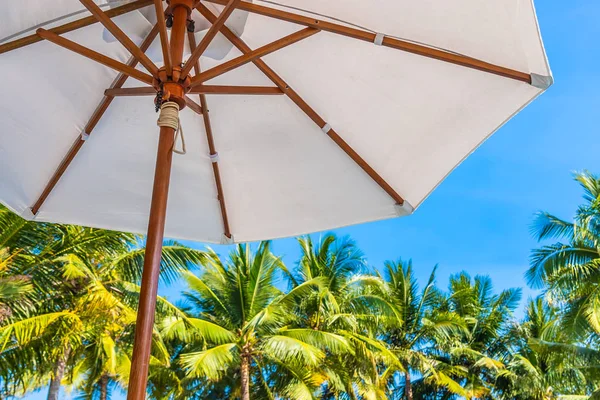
point(322, 114)
point(356, 118)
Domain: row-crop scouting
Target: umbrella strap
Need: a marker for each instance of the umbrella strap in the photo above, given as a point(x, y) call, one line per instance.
point(169, 117)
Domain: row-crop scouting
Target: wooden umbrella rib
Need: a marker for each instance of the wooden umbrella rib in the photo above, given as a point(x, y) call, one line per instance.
point(239, 90)
point(100, 58)
point(253, 55)
point(71, 26)
point(200, 89)
point(398, 44)
point(96, 116)
point(195, 107)
point(118, 83)
point(120, 36)
point(212, 148)
point(164, 37)
point(208, 37)
point(58, 174)
point(311, 113)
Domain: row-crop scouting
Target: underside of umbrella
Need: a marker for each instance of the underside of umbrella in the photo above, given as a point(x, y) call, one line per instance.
point(322, 113)
point(397, 93)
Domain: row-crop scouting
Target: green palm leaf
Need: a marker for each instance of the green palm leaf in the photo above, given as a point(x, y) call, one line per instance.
point(25, 330)
point(211, 363)
point(175, 259)
point(291, 350)
point(325, 341)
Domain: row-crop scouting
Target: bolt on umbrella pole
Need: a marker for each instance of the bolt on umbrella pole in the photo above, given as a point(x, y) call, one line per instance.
point(158, 212)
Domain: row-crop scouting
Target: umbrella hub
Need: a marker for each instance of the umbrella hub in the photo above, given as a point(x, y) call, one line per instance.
point(171, 90)
point(170, 85)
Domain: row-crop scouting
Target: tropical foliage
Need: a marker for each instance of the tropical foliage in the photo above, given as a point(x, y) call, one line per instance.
point(247, 326)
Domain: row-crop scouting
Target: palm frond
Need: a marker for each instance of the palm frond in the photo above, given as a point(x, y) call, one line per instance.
point(547, 226)
point(25, 330)
point(211, 363)
point(546, 261)
point(326, 341)
point(175, 259)
point(291, 350)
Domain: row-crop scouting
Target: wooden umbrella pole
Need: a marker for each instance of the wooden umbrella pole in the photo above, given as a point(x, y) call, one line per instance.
point(156, 226)
point(182, 10)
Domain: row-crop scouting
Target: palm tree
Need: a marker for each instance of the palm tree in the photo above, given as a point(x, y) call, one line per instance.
point(13, 288)
point(351, 304)
point(546, 363)
point(105, 299)
point(39, 249)
point(244, 329)
point(479, 355)
point(569, 270)
point(17, 233)
point(85, 295)
point(412, 337)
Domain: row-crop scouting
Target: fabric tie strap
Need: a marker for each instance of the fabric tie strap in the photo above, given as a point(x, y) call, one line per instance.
point(169, 117)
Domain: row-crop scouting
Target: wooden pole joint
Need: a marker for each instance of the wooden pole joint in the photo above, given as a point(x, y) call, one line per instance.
point(172, 91)
point(170, 85)
point(188, 5)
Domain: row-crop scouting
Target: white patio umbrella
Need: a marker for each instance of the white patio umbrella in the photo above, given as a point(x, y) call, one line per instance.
point(322, 113)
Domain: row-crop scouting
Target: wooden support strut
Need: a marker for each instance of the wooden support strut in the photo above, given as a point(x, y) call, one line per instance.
point(236, 90)
point(164, 37)
point(121, 36)
point(200, 89)
point(398, 44)
point(100, 58)
point(312, 114)
point(195, 107)
point(197, 51)
point(253, 55)
point(96, 116)
point(212, 148)
point(71, 26)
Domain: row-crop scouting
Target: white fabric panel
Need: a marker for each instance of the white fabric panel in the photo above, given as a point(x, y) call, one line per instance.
point(117, 165)
point(283, 175)
point(27, 13)
point(413, 119)
point(415, 125)
point(23, 18)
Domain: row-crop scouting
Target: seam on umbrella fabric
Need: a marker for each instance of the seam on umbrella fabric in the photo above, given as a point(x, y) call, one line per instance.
point(539, 32)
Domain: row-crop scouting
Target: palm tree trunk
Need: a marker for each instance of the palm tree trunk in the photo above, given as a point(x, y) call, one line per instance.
point(350, 391)
point(58, 374)
point(408, 392)
point(245, 373)
point(104, 387)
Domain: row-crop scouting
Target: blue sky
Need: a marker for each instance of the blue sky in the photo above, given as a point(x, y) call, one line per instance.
point(478, 219)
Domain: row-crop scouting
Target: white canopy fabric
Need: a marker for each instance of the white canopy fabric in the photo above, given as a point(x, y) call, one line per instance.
point(412, 118)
